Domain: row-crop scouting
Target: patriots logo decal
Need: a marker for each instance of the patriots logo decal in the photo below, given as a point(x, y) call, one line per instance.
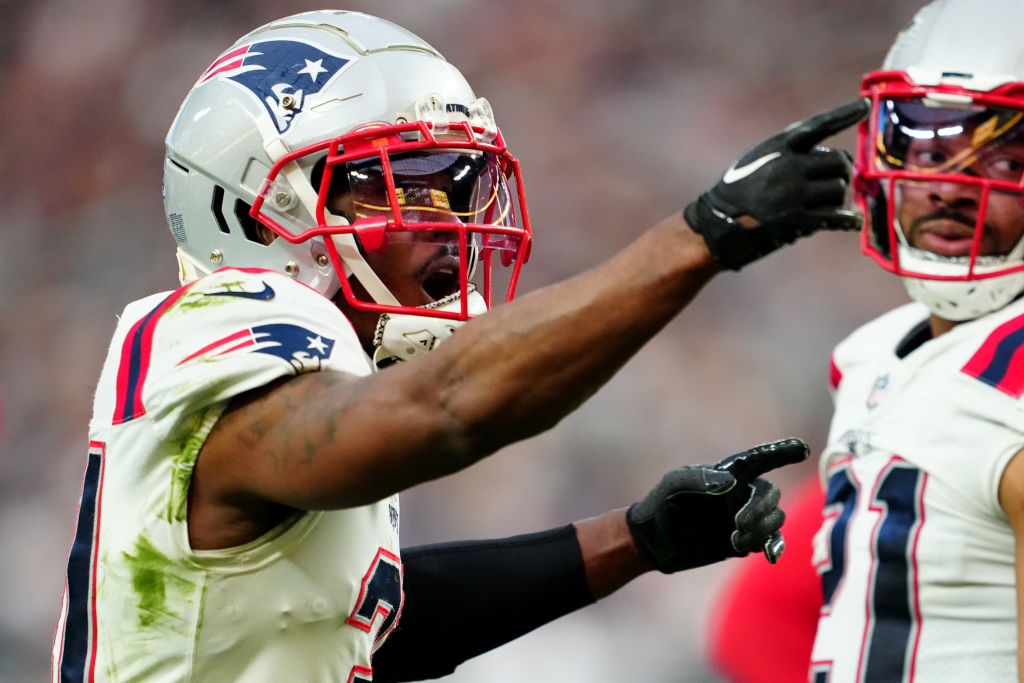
point(303, 349)
point(280, 73)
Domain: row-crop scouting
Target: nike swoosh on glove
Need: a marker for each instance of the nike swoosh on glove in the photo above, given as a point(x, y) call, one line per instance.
point(785, 188)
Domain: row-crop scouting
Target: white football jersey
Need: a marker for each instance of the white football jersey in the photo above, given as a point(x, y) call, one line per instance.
point(915, 554)
point(307, 602)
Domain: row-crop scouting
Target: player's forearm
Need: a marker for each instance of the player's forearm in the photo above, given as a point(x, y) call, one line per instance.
point(328, 440)
point(522, 367)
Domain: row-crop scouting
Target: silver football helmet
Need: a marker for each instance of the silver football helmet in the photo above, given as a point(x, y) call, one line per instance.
point(322, 142)
point(940, 167)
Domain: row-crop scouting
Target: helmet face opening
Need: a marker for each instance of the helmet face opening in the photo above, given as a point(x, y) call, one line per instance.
point(409, 218)
point(939, 180)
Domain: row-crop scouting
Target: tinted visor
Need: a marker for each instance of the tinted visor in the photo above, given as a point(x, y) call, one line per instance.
point(977, 141)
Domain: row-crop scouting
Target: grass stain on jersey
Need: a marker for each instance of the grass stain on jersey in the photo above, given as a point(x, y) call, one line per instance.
point(196, 300)
point(185, 461)
point(234, 286)
point(153, 574)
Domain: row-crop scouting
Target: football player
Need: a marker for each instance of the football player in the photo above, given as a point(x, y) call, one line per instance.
point(924, 486)
point(345, 209)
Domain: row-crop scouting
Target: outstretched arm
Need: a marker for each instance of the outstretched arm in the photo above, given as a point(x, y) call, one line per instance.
point(463, 599)
point(327, 440)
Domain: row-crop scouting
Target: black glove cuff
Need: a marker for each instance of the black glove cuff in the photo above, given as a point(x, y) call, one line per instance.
point(731, 245)
point(642, 531)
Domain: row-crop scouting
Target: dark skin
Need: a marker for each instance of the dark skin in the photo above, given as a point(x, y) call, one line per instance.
point(940, 216)
point(276, 450)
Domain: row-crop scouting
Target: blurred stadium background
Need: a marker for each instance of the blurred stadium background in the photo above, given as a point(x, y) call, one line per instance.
point(621, 112)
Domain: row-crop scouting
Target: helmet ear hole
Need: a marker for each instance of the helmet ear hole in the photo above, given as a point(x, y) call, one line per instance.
point(253, 230)
point(217, 206)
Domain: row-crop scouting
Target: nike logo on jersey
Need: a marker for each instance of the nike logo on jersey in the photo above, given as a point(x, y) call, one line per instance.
point(266, 294)
point(734, 174)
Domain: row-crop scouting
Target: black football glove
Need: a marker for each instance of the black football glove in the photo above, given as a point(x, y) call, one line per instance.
point(702, 514)
point(784, 188)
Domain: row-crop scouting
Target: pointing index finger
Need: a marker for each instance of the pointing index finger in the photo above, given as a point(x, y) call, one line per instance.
point(753, 462)
point(806, 134)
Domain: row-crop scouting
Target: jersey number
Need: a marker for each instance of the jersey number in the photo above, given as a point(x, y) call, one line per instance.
point(893, 618)
point(381, 596)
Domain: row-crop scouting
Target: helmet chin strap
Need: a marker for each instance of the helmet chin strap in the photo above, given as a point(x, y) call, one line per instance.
point(189, 269)
point(960, 300)
point(355, 264)
point(400, 337)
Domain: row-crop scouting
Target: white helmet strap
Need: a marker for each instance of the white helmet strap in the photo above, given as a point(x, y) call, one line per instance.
point(354, 262)
point(959, 300)
point(189, 269)
point(346, 244)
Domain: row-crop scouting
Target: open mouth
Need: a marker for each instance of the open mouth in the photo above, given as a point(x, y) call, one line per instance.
point(442, 283)
point(441, 275)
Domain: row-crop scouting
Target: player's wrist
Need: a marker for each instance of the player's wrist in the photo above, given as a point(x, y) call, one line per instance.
point(610, 554)
point(690, 246)
point(729, 244)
